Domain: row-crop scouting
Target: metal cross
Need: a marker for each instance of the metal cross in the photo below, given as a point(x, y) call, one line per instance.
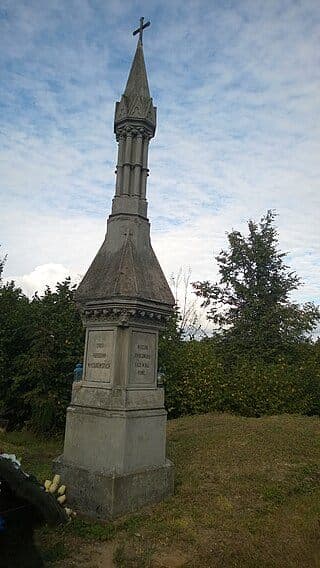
point(141, 28)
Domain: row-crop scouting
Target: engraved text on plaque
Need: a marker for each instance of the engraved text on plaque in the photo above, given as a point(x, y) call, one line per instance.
point(99, 356)
point(143, 356)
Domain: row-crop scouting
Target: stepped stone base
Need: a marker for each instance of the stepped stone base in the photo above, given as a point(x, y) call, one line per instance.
point(107, 496)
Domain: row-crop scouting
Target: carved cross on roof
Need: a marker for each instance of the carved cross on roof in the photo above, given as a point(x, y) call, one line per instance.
point(141, 28)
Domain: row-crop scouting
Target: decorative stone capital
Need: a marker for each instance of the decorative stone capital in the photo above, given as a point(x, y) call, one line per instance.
point(128, 129)
point(124, 316)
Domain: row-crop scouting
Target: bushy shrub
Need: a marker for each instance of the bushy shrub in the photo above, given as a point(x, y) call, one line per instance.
point(194, 382)
point(204, 379)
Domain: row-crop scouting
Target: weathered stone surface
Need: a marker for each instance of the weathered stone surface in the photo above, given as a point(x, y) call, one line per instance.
point(114, 458)
point(116, 398)
point(136, 102)
point(119, 441)
point(143, 358)
point(100, 355)
point(126, 267)
point(102, 496)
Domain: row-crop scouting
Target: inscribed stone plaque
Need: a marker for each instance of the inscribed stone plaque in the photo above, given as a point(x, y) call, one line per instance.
point(99, 356)
point(143, 356)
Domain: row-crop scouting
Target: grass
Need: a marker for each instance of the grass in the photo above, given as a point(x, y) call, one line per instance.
point(247, 495)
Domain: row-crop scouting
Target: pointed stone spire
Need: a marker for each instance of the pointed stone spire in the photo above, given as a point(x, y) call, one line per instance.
point(136, 103)
point(137, 83)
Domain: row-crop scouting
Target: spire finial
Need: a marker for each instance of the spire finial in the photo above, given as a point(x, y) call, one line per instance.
point(140, 29)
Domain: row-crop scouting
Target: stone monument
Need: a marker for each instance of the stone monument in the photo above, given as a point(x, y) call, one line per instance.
point(114, 458)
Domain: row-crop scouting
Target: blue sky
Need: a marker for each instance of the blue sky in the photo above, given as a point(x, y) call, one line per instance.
point(236, 84)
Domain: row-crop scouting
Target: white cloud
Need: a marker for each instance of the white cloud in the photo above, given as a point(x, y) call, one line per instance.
point(45, 275)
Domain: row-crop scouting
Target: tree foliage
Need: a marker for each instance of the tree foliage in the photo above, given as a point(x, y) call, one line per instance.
point(262, 359)
point(204, 379)
point(57, 343)
point(14, 342)
point(251, 302)
point(41, 340)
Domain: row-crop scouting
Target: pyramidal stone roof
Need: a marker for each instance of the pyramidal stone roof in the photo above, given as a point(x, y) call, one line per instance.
point(127, 273)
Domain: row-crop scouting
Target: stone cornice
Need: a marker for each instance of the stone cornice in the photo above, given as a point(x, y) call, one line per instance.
point(125, 316)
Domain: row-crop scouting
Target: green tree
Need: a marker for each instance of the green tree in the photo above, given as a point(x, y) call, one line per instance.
point(170, 339)
point(47, 368)
point(251, 302)
point(40, 342)
point(14, 342)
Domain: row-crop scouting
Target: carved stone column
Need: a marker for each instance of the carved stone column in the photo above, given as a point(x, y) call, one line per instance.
point(119, 170)
point(137, 165)
point(127, 164)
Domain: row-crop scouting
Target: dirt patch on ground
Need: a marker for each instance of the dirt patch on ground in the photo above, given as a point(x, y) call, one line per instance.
point(104, 556)
point(170, 559)
point(97, 555)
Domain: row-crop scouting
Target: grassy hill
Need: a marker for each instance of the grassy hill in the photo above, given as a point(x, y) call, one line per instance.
point(247, 495)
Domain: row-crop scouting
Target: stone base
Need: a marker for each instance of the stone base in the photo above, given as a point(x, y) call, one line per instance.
point(105, 496)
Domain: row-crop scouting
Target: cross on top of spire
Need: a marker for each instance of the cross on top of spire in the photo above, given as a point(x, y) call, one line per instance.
point(140, 29)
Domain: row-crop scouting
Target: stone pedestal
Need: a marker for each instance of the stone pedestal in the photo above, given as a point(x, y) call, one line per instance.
point(103, 496)
point(114, 458)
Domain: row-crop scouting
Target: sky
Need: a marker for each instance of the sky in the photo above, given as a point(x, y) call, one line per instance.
point(237, 88)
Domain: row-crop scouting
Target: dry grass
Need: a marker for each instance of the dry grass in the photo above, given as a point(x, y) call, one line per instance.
point(247, 495)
